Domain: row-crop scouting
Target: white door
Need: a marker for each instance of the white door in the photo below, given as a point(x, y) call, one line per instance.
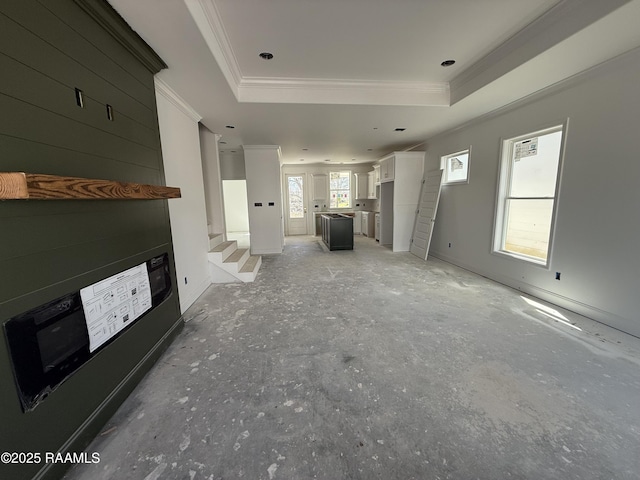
point(296, 209)
point(426, 215)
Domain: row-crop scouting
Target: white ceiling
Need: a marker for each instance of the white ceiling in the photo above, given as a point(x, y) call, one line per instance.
point(346, 73)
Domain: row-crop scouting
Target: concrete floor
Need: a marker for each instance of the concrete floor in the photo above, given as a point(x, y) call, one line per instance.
point(367, 364)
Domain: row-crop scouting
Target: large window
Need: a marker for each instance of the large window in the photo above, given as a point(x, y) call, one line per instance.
point(527, 195)
point(340, 189)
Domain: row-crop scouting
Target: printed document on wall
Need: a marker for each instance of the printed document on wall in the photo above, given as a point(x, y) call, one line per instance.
point(115, 303)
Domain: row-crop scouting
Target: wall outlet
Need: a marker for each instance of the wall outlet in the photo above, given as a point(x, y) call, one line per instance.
point(185, 280)
point(557, 275)
point(449, 244)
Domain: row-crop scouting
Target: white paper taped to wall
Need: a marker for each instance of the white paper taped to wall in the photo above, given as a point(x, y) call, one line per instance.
point(114, 303)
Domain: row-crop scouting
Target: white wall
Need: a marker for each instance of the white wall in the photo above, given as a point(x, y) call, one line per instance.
point(597, 232)
point(262, 164)
point(232, 167)
point(212, 180)
point(183, 169)
point(236, 209)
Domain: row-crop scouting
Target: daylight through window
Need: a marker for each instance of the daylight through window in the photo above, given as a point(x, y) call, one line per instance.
point(456, 168)
point(340, 189)
point(527, 197)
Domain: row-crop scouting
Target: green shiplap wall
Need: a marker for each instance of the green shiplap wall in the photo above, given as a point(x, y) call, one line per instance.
point(48, 48)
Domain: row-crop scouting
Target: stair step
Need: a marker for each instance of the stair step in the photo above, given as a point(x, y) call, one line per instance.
point(215, 239)
point(236, 256)
point(250, 264)
point(222, 246)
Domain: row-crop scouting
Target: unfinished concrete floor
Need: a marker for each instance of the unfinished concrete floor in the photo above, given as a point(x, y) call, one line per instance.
point(367, 364)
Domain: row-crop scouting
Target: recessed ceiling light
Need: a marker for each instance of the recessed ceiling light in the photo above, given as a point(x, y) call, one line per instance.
point(400, 129)
point(327, 160)
point(448, 63)
point(369, 149)
point(353, 159)
point(302, 159)
point(266, 56)
point(223, 143)
point(230, 126)
point(233, 151)
point(375, 128)
point(305, 149)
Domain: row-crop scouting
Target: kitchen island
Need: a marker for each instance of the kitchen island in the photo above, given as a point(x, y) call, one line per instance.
point(337, 231)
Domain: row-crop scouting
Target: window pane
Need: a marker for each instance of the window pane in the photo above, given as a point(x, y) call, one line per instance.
point(535, 167)
point(529, 227)
point(339, 180)
point(339, 189)
point(296, 203)
point(457, 168)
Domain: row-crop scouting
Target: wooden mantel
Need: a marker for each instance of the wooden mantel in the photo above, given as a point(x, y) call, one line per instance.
point(36, 186)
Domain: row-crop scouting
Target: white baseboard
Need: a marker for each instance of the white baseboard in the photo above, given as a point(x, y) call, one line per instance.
point(589, 311)
point(193, 294)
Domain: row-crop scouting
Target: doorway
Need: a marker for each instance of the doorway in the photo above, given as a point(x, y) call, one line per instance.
point(236, 211)
point(296, 220)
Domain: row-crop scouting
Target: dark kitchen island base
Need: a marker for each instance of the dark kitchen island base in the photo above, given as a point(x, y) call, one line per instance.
point(337, 231)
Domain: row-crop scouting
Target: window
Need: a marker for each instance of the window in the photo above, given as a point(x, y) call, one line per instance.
point(456, 167)
point(526, 204)
point(339, 189)
point(296, 198)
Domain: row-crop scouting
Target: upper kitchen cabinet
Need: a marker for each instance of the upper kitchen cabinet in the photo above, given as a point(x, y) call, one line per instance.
point(371, 185)
point(387, 168)
point(362, 186)
point(320, 186)
point(376, 174)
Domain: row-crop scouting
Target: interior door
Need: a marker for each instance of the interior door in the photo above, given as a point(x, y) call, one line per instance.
point(296, 209)
point(426, 215)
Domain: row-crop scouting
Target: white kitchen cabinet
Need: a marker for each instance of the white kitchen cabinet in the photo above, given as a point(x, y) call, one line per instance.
point(362, 185)
point(357, 223)
point(320, 186)
point(399, 199)
point(371, 185)
point(376, 174)
point(387, 168)
point(368, 224)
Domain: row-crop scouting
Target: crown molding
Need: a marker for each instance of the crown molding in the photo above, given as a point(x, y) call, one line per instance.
point(552, 27)
point(342, 92)
point(305, 90)
point(265, 148)
point(119, 29)
point(207, 18)
point(170, 94)
point(630, 57)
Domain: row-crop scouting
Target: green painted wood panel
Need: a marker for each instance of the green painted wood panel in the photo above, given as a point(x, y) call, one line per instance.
point(26, 155)
point(32, 122)
point(35, 17)
point(52, 96)
point(29, 49)
point(52, 248)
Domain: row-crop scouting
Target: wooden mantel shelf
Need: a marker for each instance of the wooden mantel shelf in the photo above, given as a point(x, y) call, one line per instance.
point(36, 186)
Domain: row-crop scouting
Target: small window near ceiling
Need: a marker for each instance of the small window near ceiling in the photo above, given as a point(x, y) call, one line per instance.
point(526, 206)
point(456, 167)
point(340, 189)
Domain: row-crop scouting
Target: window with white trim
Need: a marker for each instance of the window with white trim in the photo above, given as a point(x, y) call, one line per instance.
point(340, 189)
point(525, 211)
point(456, 168)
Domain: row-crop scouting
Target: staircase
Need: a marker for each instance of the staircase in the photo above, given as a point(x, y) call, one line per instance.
point(228, 263)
